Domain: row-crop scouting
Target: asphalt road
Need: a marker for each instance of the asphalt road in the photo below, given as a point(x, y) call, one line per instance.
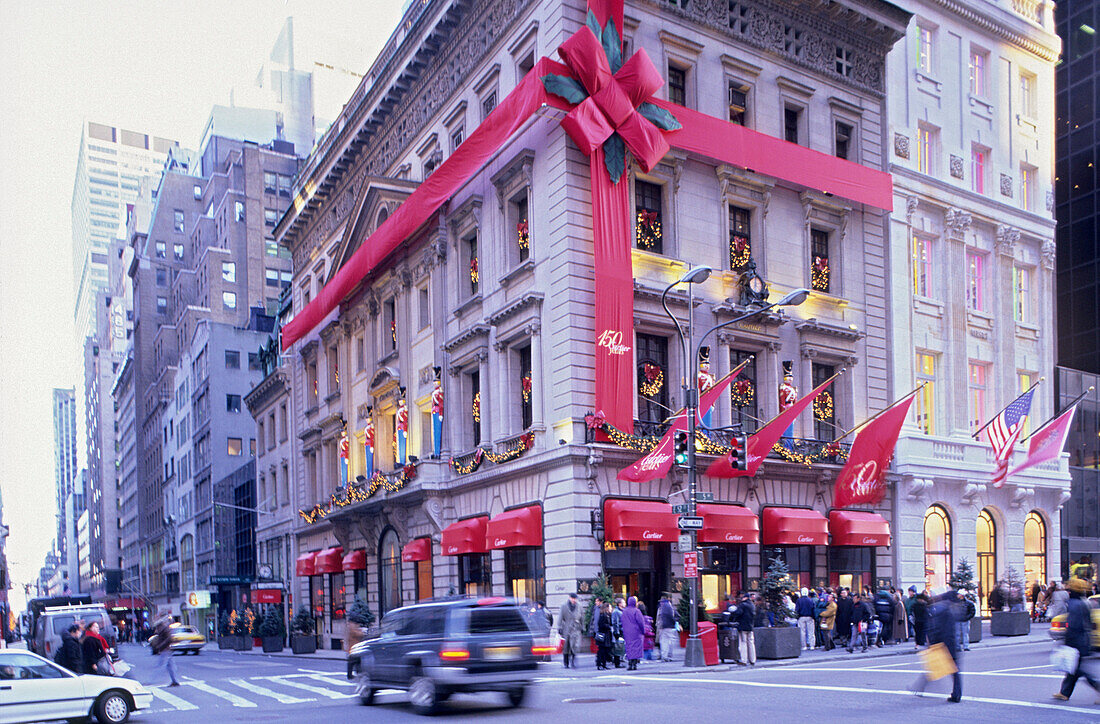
point(1010, 683)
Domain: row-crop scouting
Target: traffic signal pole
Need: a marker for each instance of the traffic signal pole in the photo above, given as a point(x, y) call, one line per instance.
point(693, 654)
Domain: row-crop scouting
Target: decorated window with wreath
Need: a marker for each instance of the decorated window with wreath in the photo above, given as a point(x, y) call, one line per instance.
point(522, 226)
point(526, 385)
point(824, 404)
point(648, 219)
point(740, 238)
point(653, 377)
point(744, 400)
point(389, 324)
point(473, 264)
point(820, 269)
point(475, 407)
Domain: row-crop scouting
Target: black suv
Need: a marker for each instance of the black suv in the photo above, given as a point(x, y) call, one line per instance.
point(435, 649)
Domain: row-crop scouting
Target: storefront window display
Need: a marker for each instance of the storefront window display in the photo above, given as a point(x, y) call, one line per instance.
point(475, 574)
point(937, 547)
point(852, 567)
point(525, 574)
point(799, 560)
point(1035, 549)
point(389, 568)
point(336, 593)
point(720, 571)
point(986, 530)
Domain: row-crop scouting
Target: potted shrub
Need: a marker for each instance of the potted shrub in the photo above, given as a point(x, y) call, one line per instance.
point(302, 640)
point(273, 631)
point(225, 632)
point(254, 628)
point(962, 580)
point(780, 640)
point(1016, 621)
point(601, 593)
point(243, 629)
point(360, 619)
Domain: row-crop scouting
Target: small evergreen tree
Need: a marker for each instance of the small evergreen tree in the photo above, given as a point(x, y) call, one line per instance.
point(601, 592)
point(273, 623)
point(361, 614)
point(303, 622)
point(233, 626)
point(223, 624)
point(1015, 585)
point(683, 610)
point(257, 624)
point(777, 588)
point(962, 580)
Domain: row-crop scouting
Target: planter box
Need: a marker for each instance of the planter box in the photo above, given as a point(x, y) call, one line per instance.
point(975, 630)
point(1010, 623)
point(243, 643)
point(272, 643)
point(226, 642)
point(780, 642)
point(303, 643)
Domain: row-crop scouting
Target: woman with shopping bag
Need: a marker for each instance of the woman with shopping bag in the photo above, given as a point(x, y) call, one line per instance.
point(1078, 640)
point(942, 656)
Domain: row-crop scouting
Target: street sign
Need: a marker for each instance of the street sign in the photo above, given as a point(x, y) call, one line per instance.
point(681, 509)
point(690, 522)
point(704, 497)
point(684, 543)
point(691, 564)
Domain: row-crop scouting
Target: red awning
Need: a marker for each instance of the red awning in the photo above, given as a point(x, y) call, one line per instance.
point(857, 528)
point(305, 564)
point(795, 527)
point(639, 520)
point(465, 536)
point(124, 603)
point(330, 560)
point(355, 561)
point(515, 528)
point(417, 550)
point(267, 595)
point(728, 524)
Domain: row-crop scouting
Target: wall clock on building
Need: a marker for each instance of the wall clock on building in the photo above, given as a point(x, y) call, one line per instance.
point(264, 570)
point(754, 290)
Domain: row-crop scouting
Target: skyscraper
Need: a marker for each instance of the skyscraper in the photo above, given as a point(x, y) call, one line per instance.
point(70, 496)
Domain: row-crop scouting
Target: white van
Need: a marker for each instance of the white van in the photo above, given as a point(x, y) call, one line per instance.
point(55, 620)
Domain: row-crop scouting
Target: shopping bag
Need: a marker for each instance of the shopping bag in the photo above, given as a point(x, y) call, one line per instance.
point(1064, 659)
point(620, 648)
point(937, 662)
point(104, 667)
point(556, 641)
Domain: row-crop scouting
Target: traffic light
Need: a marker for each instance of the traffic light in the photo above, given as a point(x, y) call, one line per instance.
point(680, 449)
point(739, 453)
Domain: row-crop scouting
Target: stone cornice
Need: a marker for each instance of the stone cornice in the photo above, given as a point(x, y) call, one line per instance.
point(270, 388)
point(533, 299)
point(1045, 52)
point(829, 330)
point(476, 330)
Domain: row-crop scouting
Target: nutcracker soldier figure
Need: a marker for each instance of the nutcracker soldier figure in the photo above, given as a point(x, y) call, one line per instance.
point(788, 395)
point(368, 442)
point(343, 457)
point(437, 413)
point(705, 380)
point(402, 432)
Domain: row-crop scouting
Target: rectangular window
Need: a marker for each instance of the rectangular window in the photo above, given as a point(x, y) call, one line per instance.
point(1027, 94)
point(925, 409)
point(233, 446)
point(922, 267)
point(177, 251)
point(976, 389)
point(843, 144)
point(333, 370)
point(975, 281)
point(177, 220)
point(820, 272)
point(654, 378)
point(488, 104)
point(229, 271)
point(744, 400)
point(740, 237)
point(271, 216)
point(424, 307)
point(271, 277)
point(162, 277)
point(523, 227)
point(1025, 385)
point(924, 49)
point(648, 217)
point(270, 183)
point(232, 359)
point(475, 576)
point(799, 560)
point(253, 362)
point(232, 403)
point(473, 263)
point(458, 135)
point(197, 191)
point(677, 85)
point(977, 73)
point(475, 405)
point(161, 249)
point(824, 405)
point(360, 354)
point(284, 186)
point(1021, 294)
point(926, 137)
point(1027, 187)
point(229, 300)
point(979, 162)
point(526, 384)
point(336, 595)
point(389, 321)
point(790, 124)
point(238, 210)
point(162, 305)
point(739, 102)
point(843, 65)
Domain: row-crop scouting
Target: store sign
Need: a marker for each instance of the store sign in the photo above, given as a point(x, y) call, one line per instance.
point(198, 599)
point(691, 564)
point(267, 595)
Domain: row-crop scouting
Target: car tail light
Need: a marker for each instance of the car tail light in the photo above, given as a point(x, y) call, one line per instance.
point(1057, 624)
point(543, 649)
point(454, 652)
point(491, 601)
point(48, 647)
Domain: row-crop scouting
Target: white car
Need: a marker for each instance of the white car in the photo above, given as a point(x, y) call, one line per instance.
point(35, 689)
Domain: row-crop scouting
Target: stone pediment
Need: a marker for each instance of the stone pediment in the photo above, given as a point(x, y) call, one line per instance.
point(377, 193)
point(528, 300)
point(477, 330)
point(383, 380)
point(827, 329)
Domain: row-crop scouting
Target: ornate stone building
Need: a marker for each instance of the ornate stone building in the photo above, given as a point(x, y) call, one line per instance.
point(972, 253)
point(497, 292)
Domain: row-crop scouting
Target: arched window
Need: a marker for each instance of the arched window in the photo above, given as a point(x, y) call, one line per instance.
point(987, 558)
point(383, 214)
point(1035, 550)
point(937, 547)
point(389, 567)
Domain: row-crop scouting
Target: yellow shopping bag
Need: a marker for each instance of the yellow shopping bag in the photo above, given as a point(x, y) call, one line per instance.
point(938, 662)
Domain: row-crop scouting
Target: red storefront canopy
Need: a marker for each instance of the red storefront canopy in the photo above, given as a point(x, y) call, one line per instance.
point(125, 604)
point(639, 520)
point(795, 527)
point(728, 524)
point(267, 595)
point(465, 536)
point(417, 550)
point(857, 528)
point(330, 560)
point(514, 528)
point(306, 564)
point(355, 561)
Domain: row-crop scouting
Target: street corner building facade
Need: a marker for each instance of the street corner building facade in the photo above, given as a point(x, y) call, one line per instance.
point(459, 411)
point(971, 119)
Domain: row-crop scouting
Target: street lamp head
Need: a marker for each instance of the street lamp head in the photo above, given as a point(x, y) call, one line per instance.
point(696, 275)
point(793, 299)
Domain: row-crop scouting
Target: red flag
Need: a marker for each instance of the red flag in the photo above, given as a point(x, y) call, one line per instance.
point(657, 463)
point(1047, 444)
point(709, 396)
point(861, 480)
point(761, 442)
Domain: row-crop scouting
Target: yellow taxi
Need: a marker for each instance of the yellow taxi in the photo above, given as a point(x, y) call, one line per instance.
point(185, 638)
point(1058, 624)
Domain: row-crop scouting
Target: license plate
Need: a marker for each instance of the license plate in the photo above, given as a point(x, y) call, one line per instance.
point(501, 653)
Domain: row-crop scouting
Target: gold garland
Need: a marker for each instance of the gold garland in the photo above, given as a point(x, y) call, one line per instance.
point(649, 229)
point(523, 235)
point(831, 450)
point(477, 407)
point(357, 493)
point(525, 387)
point(819, 274)
point(648, 387)
point(740, 252)
point(742, 393)
point(524, 442)
point(823, 406)
point(474, 464)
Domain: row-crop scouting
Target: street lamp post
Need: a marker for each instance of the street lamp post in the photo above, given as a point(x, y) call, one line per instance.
point(693, 654)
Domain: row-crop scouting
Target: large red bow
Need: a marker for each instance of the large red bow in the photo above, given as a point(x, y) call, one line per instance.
point(613, 99)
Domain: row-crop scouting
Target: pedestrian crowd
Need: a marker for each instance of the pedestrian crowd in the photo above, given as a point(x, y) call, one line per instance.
point(84, 650)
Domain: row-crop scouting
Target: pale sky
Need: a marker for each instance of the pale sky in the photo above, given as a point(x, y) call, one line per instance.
point(152, 67)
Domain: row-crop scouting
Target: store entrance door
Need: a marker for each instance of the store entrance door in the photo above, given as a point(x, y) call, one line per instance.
point(638, 569)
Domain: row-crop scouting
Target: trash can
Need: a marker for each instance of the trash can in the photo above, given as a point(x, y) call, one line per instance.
point(708, 633)
point(727, 642)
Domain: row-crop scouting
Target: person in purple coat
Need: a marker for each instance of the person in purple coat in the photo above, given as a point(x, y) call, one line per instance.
point(633, 633)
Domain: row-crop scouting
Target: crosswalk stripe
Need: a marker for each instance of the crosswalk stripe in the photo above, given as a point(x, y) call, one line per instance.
point(334, 679)
point(171, 699)
point(231, 698)
point(306, 687)
point(256, 689)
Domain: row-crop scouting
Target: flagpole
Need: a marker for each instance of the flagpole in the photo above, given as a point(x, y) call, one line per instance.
point(893, 404)
point(1072, 402)
point(990, 422)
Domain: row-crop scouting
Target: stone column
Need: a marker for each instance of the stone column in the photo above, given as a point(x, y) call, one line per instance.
point(952, 371)
point(1003, 339)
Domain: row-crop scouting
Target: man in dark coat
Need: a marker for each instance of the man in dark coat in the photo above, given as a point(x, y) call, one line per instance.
point(843, 616)
point(71, 654)
point(861, 620)
point(920, 620)
point(942, 619)
point(884, 610)
point(746, 640)
point(1078, 636)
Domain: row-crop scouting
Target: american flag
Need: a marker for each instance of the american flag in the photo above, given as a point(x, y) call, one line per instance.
point(1003, 432)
